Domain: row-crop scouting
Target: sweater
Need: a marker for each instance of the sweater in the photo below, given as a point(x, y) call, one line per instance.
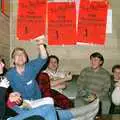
point(26, 84)
point(92, 82)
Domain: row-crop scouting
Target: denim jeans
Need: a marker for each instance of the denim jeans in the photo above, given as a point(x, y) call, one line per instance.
point(64, 114)
point(46, 111)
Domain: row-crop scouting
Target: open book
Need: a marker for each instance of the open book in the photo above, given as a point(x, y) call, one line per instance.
point(36, 103)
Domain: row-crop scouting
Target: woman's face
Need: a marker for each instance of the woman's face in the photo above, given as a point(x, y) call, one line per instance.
point(19, 58)
point(1, 67)
point(53, 65)
point(116, 74)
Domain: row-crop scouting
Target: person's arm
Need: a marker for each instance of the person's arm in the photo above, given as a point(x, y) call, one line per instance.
point(41, 47)
point(58, 83)
point(38, 63)
point(112, 86)
point(106, 87)
point(61, 82)
point(81, 84)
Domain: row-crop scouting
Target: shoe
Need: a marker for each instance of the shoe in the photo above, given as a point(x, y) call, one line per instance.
point(87, 112)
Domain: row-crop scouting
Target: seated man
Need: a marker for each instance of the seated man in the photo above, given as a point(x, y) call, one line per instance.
point(52, 82)
point(94, 80)
point(115, 109)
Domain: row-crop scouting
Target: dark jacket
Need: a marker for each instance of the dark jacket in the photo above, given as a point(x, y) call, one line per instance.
point(114, 109)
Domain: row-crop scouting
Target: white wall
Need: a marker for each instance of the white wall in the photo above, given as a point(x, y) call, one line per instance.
point(4, 37)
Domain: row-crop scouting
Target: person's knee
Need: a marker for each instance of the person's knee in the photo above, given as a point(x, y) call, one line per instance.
point(49, 100)
point(48, 107)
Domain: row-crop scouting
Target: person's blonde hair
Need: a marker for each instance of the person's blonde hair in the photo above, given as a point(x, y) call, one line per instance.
point(19, 49)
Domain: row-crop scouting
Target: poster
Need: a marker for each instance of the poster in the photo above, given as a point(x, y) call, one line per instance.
point(92, 22)
point(61, 23)
point(31, 19)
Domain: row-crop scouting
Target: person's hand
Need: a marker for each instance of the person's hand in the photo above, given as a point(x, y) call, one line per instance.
point(68, 76)
point(40, 40)
point(15, 97)
point(90, 98)
point(41, 46)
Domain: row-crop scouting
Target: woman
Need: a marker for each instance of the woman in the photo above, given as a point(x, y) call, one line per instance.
point(115, 109)
point(4, 84)
point(22, 80)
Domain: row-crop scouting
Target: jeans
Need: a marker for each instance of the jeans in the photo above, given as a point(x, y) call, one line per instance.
point(2, 101)
point(105, 106)
point(64, 114)
point(46, 111)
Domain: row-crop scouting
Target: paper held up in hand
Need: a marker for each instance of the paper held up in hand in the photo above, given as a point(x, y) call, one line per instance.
point(37, 39)
point(36, 103)
point(42, 37)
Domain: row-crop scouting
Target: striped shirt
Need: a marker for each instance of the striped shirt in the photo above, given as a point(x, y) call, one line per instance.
point(95, 82)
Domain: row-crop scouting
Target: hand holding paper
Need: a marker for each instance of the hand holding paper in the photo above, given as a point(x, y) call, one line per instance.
point(40, 40)
point(36, 103)
point(41, 46)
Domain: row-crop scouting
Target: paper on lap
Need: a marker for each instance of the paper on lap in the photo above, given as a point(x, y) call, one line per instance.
point(42, 37)
point(36, 103)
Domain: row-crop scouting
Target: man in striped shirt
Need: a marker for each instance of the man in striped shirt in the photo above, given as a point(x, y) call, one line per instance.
point(94, 81)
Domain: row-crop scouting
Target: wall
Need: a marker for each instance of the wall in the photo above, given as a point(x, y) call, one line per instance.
point(74, 58)
point(5, 7)
point(4, 38)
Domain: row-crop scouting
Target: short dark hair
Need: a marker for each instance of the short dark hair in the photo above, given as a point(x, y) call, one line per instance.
point(115, 67)
point(48, 61)
point(98, 55)
point(53, 56)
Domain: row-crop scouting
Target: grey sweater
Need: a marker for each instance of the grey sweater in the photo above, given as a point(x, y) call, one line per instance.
point(94, 82)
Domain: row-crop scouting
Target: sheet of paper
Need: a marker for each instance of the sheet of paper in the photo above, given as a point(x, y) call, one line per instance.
point(92, 22)
point(61, 23)
point(31, 19)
